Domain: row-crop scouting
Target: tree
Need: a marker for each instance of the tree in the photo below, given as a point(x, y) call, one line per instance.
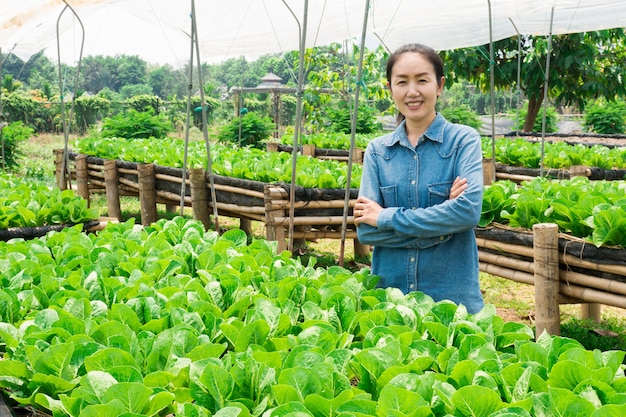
point(112, 72)
point(167, 82)
point(583, 66)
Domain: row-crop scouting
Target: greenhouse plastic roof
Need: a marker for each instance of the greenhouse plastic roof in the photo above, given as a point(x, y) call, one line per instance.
point(158, 30)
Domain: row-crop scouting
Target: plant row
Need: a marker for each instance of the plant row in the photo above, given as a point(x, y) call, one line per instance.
point(593, 210)
point(330, 140)
point(27, 204)
point(173, 320)
point(245, 163)
point(517, 152)
point(558, 155)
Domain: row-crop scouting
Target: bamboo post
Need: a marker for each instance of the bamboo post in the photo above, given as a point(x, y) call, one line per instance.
point(357, 156)
point(272, 146)
point(579, 171)
point(487, 171)
point(58, 164)
point(546, 275)
point(272, 230)
point(82, 177)
point(112, 190)
point(245, 224)
point(591, 311)
point(199, 196)
point(147, 193)
point(308, 150)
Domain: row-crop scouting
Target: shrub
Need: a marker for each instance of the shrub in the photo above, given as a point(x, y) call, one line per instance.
point(133, 124)
point(89, 110)
point(12, 135)
point(606, 117)
point(552, 118)
point(340, 119)
point(462, 114)
point(255, 130)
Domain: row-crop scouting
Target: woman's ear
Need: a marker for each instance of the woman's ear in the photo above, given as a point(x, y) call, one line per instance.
point(440, 86)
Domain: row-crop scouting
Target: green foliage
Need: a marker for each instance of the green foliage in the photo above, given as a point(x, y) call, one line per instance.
point(18, 107)
point(11, 135)
point(462, 114)
point(89, 110)
point(591, 210)
point(552, 119)
point(583, 65)
point(172, 319)
point(134, 124)
point(254, 129)
point(341, 118)
point(145, 103)
point(607, 335)
point(329, 140)
point(132, 90)
point(24, 204)
point(558, 155)
point(606, 117)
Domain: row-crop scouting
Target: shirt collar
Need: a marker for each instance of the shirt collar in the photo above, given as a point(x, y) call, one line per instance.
point(434, 132)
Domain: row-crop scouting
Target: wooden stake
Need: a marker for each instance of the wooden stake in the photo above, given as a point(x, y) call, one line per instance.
point(546, 255)
point(82, 177)
point(147, 193)
point(112, 190)
point(58, 165)
point(487, 171)
point(199, 197)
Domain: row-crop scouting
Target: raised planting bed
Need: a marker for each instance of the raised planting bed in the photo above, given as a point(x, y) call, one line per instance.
point(29, 210)
point(519, 158)
point(318, 213)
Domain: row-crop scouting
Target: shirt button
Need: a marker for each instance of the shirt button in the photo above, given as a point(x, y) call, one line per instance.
point(412, 259)
point(411, 287)
point(413, 182)
point(441, 237)
point(414, 156)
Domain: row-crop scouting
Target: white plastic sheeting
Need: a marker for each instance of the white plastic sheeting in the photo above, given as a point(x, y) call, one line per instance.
point(157, 30)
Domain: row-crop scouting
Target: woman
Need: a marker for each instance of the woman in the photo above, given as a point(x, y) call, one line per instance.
point(421, 190)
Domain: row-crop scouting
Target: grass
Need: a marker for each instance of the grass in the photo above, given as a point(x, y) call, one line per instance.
point(513, 301)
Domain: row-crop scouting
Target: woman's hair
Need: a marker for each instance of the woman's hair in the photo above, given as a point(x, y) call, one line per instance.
point(426, 51)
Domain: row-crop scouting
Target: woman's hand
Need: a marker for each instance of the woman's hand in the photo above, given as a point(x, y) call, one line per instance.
point(458, 186)
point(366, 211)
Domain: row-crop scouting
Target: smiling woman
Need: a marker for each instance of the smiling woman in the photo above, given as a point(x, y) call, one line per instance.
point(421, 190)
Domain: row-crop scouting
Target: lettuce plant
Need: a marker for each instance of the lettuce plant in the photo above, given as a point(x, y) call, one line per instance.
point(174, 320)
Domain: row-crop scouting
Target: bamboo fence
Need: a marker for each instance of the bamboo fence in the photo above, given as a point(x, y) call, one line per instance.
point(583, 274)
point(318, 214)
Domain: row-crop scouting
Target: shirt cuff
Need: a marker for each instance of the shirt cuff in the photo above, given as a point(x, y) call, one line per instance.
point(385, 218)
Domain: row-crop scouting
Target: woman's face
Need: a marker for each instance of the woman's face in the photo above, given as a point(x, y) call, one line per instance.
point(415, 88)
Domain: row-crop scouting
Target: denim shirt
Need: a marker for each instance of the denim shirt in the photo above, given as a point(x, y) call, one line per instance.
point(425, 241)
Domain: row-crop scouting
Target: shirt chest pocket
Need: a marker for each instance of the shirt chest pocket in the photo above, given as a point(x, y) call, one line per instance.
point(438, 192)
point(390, 196)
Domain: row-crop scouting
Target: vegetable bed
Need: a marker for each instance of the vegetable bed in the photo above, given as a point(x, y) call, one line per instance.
point(29, 210)
point(522, 157)
point(173, 320)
